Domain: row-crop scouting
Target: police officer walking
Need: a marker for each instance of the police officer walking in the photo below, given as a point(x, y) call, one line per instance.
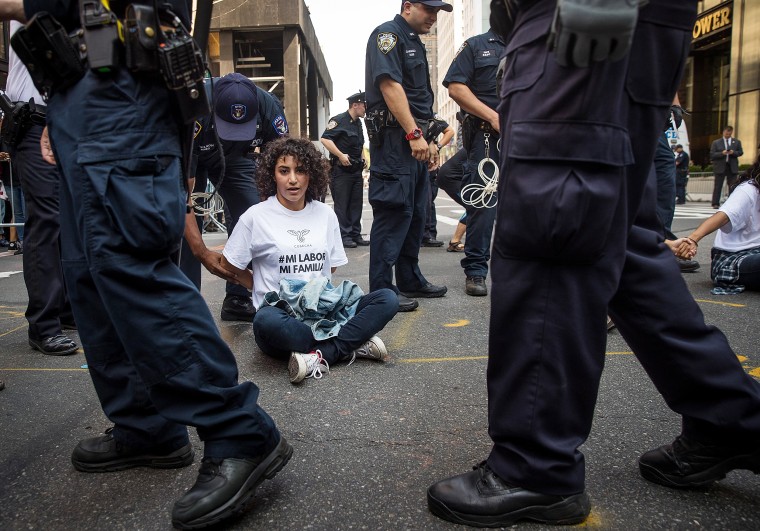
point(155, 356)
point(399, 102)
point(576, 236)
point(245, 116)
point(471, 80)
point(344, 139)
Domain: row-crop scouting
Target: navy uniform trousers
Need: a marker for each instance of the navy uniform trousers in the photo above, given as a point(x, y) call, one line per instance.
point(43, 275)
point(347, 189)
point(399, 211)
point(239, 192)
point(155, 356)
point(477, 245)
point(576, 233)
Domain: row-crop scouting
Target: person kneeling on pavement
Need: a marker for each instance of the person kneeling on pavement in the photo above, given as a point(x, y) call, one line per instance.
point(296, 247)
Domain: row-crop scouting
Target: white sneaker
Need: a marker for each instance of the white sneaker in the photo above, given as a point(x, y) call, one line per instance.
point(310, 365)
point(373, 349)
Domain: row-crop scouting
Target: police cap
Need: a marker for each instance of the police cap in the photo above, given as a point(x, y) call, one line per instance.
point(356, 98)
point(432, 3)
point(236, 107)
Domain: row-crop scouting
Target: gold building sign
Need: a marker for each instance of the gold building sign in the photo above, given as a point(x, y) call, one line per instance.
point(712, 22)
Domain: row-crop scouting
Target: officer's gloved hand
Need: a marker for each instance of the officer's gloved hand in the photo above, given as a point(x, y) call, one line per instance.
point(592, 30)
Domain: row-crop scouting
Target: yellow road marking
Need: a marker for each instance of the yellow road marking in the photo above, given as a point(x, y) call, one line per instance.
point(13, 330)
point(432, 360)
point(41, 369)
point(755, 372)
point(458, 324)
point(732, 304)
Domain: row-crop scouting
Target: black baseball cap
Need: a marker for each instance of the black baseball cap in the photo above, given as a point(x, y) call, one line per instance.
point(433, 3)
point(356, 98)
point(236, 107)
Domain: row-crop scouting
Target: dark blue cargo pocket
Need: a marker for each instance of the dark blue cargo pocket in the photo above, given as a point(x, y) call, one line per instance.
point(387, 191)
point(558, 202)
point(143, 201)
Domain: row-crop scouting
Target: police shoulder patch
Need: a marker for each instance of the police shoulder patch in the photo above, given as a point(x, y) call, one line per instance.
point(386, 41)
point(464, 45)
point(280, 125)
point(332, 124)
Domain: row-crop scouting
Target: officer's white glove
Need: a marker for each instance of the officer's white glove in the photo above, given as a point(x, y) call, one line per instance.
point(592, 30)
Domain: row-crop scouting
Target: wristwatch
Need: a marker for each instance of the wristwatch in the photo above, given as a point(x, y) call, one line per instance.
point(414, 134)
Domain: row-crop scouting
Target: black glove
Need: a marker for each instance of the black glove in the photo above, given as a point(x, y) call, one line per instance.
point(592, 30)
point(677, 112)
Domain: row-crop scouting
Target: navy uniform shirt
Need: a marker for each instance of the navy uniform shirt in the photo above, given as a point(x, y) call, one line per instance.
point(475, 65)
point(396, 51)
point(347, 135)
point(271, 125)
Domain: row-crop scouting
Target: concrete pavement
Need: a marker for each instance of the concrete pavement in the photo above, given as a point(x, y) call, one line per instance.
point(369, 438)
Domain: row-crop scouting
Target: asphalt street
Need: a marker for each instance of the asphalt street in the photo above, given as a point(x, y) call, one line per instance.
point(369, 438)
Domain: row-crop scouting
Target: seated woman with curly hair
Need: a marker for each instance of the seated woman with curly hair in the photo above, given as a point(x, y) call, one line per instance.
point(294, 245)
point(736, 251)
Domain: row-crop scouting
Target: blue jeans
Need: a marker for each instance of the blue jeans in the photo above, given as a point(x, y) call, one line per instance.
point(155, 357)
point(278, 334)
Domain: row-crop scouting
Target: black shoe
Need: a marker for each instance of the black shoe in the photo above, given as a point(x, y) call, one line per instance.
point(428, 291)
point(475, 286)
point(58, 345)
point(361, 242)
point(105, 454)
point(349, 244)
point(225, 487)
point(237, 308)
point(2, 385)
point(406, 304)
point(687, 266)
point(432, 243)
point(14, 246)
point(689, 464)
point(482, 499)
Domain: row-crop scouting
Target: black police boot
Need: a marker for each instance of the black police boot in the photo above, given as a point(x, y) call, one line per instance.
point(428, 291)
point(225, 487)
point(690, 464)
point(687, 266)
point(237, 308)
point(106, 454)
point(482, 499)
point(405, 304)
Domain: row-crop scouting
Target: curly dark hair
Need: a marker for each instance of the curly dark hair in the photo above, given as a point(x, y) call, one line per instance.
point(751, 174)
point(307, 156)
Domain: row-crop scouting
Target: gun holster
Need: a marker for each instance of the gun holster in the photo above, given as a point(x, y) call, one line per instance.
point(54, 59)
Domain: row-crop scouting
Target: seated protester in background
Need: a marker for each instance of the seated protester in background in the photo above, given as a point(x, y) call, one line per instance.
point(736, 251)
point(244, 117)
point(450, 179)
point(431, 223)
point(293, 243)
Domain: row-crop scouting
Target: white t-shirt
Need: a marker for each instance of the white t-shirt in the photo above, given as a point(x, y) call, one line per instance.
point(743, 228)
point(284, 243)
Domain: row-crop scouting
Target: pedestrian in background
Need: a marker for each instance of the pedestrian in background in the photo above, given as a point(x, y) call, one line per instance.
point(724, 155)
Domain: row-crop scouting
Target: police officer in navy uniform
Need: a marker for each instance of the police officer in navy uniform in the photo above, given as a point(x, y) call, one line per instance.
point(399, 102)
point(344, 139)
point(155, 356)
point(577, 234)
point(245, 116)
point(471, 80)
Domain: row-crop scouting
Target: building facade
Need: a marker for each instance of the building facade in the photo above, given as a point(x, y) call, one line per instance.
point(721, 84)
point(273, 42)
